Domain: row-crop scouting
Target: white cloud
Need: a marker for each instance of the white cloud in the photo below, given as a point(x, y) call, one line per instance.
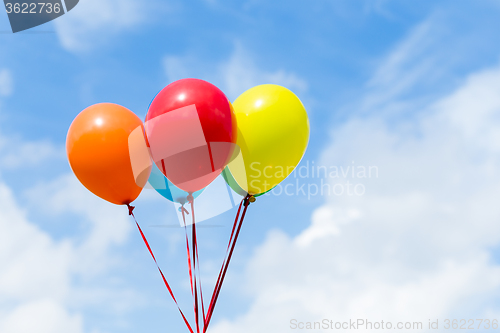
point(424, 64)
point(36, 272)
point(234, 75)
point(25, 250)
point(47, 284)
point(419, 244)
point(240, 73)
point(17, 153)
point(109, 223)
point(49, 280)
point(94, 22)
point(44, 316)
point(6, 83)
point(404, 68)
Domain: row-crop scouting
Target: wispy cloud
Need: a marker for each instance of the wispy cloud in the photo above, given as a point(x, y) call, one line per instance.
point(46, 283)
point(17, 153)
point(36, 270)
point(94, 23)
point(233, 75)
point(108, 223)
point(421, 237)
point(423, 66)
point(6, 83)
point(43, 316)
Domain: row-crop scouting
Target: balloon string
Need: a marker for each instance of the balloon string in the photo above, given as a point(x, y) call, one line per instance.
point(201, 290)
point(194, 252)
point(227, 252)
point(130, 211)
point(215, 296)
point(225, 258)
point(226, 264)
point(198, 260)
point(184, 212)
point(195, 268)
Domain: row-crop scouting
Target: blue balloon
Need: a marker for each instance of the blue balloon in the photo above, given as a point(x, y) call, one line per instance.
point(168, 190)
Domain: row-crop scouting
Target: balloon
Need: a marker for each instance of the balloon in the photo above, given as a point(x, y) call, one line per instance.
point(233, 184)
point(97, 146)
point(191, 131)
point(168, 190)
point(273, 133)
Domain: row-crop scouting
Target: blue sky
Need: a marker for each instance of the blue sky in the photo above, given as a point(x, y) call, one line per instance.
point(409, 87)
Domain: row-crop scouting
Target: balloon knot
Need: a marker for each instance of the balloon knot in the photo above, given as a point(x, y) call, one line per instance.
point(130, 209)
point(249, 199)
point(190, 198)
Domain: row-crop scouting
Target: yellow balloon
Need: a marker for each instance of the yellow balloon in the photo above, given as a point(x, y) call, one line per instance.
point(273, 133)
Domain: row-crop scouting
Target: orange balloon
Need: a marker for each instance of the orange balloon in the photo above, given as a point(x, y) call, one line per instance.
point(98, 152)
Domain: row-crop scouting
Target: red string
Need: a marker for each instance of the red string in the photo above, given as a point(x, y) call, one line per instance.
point(193, 240)
point(195, 247)
point(188, 254)
point(225, 258)
point(200, 286)
point(225, 265)
point(130, 210)
point(193, 270)
point(201, 289)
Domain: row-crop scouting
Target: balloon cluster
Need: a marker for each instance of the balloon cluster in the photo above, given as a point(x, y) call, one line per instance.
point(192, 133)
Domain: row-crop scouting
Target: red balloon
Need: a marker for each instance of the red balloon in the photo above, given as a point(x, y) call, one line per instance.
point(191, 131)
